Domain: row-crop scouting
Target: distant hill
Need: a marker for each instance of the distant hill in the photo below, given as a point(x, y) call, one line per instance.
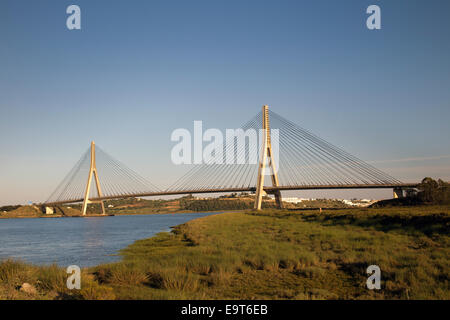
point(22, 212)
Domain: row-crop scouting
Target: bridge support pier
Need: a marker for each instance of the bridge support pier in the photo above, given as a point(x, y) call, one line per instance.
point(92, 172)
point(266, 154)
point(398, 193)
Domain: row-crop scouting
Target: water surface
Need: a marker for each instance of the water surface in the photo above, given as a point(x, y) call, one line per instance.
point(80, 241)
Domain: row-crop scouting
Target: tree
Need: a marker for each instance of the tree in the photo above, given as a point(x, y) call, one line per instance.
point(432, 191)
point(442, 183)
point(428, 186)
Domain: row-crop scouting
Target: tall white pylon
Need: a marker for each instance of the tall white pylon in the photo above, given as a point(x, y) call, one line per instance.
point(92, 171)
point(266, 154)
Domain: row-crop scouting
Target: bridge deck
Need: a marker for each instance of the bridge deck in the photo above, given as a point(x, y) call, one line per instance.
point(243, 189)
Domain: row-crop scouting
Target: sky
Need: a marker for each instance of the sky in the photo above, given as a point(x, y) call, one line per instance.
point(137, 70)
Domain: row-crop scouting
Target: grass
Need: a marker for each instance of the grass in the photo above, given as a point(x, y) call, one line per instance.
point(268, 255)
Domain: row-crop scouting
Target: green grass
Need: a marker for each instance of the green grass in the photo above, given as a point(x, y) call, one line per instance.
point(271, 255)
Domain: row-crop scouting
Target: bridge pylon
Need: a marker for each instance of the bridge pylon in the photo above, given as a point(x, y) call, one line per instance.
point(266, 155)
point(92, 172)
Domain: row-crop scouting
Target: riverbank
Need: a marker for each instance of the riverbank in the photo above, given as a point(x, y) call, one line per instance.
point(267, 255)
point(138, 206)
point(34, 214)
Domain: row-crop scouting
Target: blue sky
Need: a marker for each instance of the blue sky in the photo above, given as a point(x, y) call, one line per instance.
point(140, 69)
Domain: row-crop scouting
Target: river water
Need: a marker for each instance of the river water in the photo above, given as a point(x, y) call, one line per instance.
point(80, 241)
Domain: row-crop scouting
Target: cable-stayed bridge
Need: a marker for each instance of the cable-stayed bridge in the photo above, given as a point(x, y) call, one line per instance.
point(293, 159)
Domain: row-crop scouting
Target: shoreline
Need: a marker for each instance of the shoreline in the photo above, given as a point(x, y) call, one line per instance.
point(113, 215)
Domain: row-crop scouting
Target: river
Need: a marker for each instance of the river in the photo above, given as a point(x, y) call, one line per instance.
point(80, 241)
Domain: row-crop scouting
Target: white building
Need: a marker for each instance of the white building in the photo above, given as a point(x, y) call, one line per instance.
point(295, 200)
